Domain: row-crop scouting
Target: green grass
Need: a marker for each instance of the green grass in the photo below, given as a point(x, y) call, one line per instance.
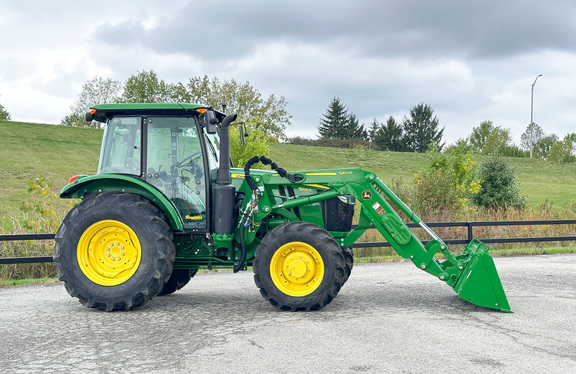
point(28, 150)
point(24, 282)
point(540, 181)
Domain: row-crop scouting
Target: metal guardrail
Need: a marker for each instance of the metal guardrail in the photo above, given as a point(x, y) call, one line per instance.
point(26, 260)
point(469, 225)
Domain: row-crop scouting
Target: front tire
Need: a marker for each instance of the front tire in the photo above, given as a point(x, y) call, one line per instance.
point(299, 267)
point(114, 251)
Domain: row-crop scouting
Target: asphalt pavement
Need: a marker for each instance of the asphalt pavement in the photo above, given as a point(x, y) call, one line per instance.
point(388, 318)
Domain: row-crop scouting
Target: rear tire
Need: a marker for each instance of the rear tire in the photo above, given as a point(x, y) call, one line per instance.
point(178, 279)
point(299, 267)
point(114, 251)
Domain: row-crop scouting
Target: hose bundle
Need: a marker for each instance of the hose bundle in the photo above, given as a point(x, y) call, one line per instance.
point(266, 161)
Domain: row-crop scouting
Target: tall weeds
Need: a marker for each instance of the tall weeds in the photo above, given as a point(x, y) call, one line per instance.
point(40, 216)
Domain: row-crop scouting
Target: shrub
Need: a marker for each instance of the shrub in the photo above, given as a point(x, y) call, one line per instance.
point(498, 186)
point(446, 184)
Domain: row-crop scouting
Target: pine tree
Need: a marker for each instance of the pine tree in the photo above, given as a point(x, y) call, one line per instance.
point(390, 137)
point(421, 129)
point(374, 126)
point(335, 122)
point(353, 129)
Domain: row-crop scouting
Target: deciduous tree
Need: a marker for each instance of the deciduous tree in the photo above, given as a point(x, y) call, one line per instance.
point(4, 115)
point(95, 91)
point(563, 151)
point(531, 136)
point(266, 113)
point(146, 87)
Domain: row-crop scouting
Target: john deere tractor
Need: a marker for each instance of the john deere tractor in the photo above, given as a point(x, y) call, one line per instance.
point(166, 202)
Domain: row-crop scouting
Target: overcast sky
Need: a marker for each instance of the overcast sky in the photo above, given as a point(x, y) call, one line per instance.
point(470, 60)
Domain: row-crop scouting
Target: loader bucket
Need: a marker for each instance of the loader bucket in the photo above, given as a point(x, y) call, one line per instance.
point(479, 282)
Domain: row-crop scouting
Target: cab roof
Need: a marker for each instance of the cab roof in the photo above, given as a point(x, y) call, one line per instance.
point(102, 112)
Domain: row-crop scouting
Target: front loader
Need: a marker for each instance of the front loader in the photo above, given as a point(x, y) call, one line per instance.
point(166, 203)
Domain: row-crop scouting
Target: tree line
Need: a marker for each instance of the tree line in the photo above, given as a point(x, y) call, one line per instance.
point(420, 131)
point(416, 133)
point(267, 114)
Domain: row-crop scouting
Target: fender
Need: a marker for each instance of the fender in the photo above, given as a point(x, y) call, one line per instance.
point(99, 183)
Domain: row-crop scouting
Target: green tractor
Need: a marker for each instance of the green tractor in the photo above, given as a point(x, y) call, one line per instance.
point(166, 202)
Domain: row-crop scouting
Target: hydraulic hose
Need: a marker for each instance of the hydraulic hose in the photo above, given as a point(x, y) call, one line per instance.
point(266, 161)
point(242, 260)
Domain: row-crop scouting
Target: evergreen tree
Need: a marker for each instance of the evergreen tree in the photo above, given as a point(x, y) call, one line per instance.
point(390, 137)
point(335, 122)
point(498, 186)
point(353, 129)
point(421, 129)
point(374, 127)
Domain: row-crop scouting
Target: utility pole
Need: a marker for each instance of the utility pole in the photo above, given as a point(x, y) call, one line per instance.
point(532, 115)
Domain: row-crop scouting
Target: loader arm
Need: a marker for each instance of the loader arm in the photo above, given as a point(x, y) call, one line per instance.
point(472, 274)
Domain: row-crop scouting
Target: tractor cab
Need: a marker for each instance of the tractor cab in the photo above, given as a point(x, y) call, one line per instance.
point(172, 147)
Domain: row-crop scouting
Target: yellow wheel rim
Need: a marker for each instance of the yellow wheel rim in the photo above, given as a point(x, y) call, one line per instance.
point(109, 253)
point(297, 269)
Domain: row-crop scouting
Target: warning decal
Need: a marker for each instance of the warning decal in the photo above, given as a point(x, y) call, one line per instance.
point(378, 208)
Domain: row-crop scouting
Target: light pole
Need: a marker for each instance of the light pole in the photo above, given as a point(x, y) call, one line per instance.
point(532, 115)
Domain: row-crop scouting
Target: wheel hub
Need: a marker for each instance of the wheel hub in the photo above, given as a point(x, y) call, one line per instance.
point(297, 269)
point(109, 252)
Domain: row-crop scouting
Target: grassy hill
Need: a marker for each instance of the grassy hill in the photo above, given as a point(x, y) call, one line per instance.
point(28, 150)
point(540, 181)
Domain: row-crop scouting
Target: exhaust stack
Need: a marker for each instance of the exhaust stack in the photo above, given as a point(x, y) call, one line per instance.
point(224, 192)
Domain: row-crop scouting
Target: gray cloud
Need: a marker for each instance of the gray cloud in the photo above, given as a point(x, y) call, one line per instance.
point(470, 60)
point(453, 28)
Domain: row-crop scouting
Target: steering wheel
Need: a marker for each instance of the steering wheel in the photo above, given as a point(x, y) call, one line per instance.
point(192, 159)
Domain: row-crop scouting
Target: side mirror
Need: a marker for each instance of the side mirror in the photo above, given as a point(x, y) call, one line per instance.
point(243, 133)
point(242, 130)
point(210, 122)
